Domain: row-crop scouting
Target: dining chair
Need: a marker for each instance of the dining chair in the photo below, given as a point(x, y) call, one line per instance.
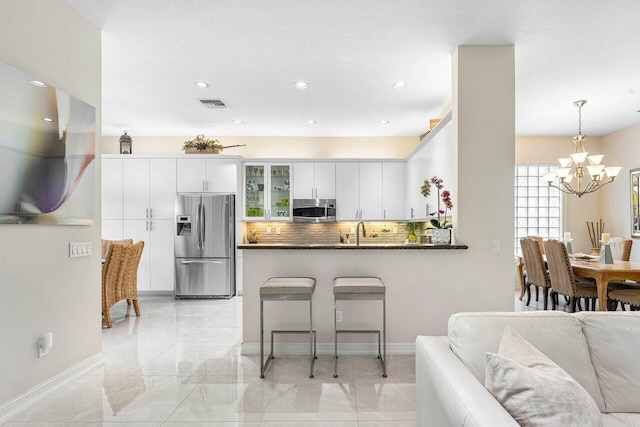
point(537, 274)
point(626, 296)
point(540, 242)
point(120, 277)
point(616, 285)
point(112, 276)
point(563, 281)
point(106, 243)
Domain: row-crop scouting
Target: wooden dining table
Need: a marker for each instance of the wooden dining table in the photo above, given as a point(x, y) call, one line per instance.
point(601, 273)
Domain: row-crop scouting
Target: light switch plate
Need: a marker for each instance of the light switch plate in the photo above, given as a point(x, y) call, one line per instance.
point(78, 249)
point(495, 246)
point(268, 230)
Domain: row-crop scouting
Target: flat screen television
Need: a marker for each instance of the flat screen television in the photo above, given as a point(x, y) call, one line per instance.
point(47, 152)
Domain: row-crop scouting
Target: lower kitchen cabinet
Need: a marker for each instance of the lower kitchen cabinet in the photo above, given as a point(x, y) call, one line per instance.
point(155, 271)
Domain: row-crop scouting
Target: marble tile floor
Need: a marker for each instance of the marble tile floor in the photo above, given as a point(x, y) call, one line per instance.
point(179, 364)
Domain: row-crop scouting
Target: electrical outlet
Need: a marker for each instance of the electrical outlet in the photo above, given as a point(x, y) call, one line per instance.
point(339, 316)
point(278, 230)
point(268, 230)
point(395, 230)
point(353, 230)
point(495, 246)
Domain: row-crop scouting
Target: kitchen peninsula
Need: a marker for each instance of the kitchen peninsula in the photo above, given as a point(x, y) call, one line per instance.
point(420, 292)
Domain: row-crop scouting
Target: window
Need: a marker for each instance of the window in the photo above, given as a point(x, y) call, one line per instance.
point(538, 207)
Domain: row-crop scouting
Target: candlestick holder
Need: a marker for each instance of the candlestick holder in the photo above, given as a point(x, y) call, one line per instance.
point(567, 243)
point(605, 253)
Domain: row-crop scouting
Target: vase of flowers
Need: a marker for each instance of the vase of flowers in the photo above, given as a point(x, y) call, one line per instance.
point(441, 233)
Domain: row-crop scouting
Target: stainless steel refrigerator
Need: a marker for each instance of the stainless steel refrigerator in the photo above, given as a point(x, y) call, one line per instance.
point(205, 246)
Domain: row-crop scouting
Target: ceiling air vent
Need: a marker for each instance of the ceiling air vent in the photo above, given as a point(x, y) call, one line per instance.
point(214, 103)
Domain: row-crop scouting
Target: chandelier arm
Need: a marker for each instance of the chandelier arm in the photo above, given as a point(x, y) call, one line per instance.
point(561, 189)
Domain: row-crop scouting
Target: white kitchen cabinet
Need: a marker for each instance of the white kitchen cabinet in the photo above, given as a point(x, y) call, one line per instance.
point(314, 180)
point(207, 175)
point(393, 190)
point(371, 191)
point(267, 192)
point(112, 229)
point(111, 189)
point(155, 271)
point(149, 188)
point(348, 191)
point(412, 190)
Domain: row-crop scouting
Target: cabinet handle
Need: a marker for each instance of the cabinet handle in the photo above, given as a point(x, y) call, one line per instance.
point(357, 213)
point(150, 225)
point(146, 213)
point(411, 212)
point(384, 214)
point(312, 193)
point(150, 213)
point(207, 185)
point(146, 225)
point(203, 187)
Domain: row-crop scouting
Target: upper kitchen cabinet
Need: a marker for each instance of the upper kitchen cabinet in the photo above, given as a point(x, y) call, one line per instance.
point(359, 191)
point(370, 191)
point(267, 192)
point(111, 189)
point(149, 188)
point(314, 180)
point(207, 175)
point(393, 190)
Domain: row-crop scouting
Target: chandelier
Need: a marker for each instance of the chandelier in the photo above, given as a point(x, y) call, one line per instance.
point(582, 167)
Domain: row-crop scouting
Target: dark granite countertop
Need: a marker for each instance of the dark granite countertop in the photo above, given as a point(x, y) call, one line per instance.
point(413, 246)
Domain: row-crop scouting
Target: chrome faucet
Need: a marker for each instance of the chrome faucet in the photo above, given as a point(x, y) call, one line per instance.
point(364, 233)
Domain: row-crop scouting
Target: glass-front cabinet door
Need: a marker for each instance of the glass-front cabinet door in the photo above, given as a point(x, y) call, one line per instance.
point(267, 192)
point(255, 196)
point(280, 192)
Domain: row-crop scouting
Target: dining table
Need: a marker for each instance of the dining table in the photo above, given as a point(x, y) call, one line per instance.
point(601, 273)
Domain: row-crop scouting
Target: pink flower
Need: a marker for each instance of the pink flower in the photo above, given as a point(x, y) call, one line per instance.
point(441, 212)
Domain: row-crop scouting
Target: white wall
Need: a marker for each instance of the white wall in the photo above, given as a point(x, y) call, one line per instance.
point(43, 289)
point(621, 148)
point(576, 210)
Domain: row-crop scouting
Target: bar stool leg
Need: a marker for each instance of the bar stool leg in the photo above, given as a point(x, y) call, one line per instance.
point(261, 339)
point(311, 336)
point(384, 337)
point(335, 339)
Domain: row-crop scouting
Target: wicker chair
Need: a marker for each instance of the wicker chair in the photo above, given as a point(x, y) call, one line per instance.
point(562, 278)
point(107, 243)
point(537, 274)
point(120, 277)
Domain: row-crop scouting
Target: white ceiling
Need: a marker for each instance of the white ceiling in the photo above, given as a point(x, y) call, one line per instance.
point(252, 51)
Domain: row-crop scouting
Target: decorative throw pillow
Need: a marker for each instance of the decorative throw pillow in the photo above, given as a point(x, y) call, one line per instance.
point(533, 389)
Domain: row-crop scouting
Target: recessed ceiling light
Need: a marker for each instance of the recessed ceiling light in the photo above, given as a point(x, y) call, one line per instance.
point(301, 85)
point(202, 85)
point(47, 119)
point(38, 83)
point(237, 122)
point(384, 122)
point(311, 122)
point(399, 85)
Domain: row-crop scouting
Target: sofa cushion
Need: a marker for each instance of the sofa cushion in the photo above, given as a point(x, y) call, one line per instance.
point(556, 334)
point(615, 353)
point(613, 420)
point(626, 419)
point(535, 390)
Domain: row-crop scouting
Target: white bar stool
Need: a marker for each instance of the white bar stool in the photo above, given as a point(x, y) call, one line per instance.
point(287, 289)
point(360, 288)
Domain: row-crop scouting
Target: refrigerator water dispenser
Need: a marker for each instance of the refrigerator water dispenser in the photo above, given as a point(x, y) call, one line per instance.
point(184, 225)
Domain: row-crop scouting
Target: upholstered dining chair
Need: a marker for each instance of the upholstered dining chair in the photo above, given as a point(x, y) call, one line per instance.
point(562, 278)
point(537, 274)
point(120, 277)
point(107, 243)
point(541, 243)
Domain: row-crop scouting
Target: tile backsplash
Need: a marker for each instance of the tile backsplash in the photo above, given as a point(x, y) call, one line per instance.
point(327, 233)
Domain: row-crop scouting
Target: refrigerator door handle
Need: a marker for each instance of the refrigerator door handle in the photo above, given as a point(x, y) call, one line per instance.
point(203, 218)
point(201, 262)
point(199, 224)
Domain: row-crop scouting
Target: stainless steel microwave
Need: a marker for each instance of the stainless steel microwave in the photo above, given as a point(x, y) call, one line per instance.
point(314, 210)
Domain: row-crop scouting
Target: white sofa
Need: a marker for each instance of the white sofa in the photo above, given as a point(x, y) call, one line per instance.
point(601, 350)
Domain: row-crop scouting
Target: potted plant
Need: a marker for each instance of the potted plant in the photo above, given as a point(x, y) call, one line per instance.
point(413, 227)
point(200, 144)
point(441, 234)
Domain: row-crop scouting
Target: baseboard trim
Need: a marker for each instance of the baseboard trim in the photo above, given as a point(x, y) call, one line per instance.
point(351, 349)
point(8, 409)
point(155, 293)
